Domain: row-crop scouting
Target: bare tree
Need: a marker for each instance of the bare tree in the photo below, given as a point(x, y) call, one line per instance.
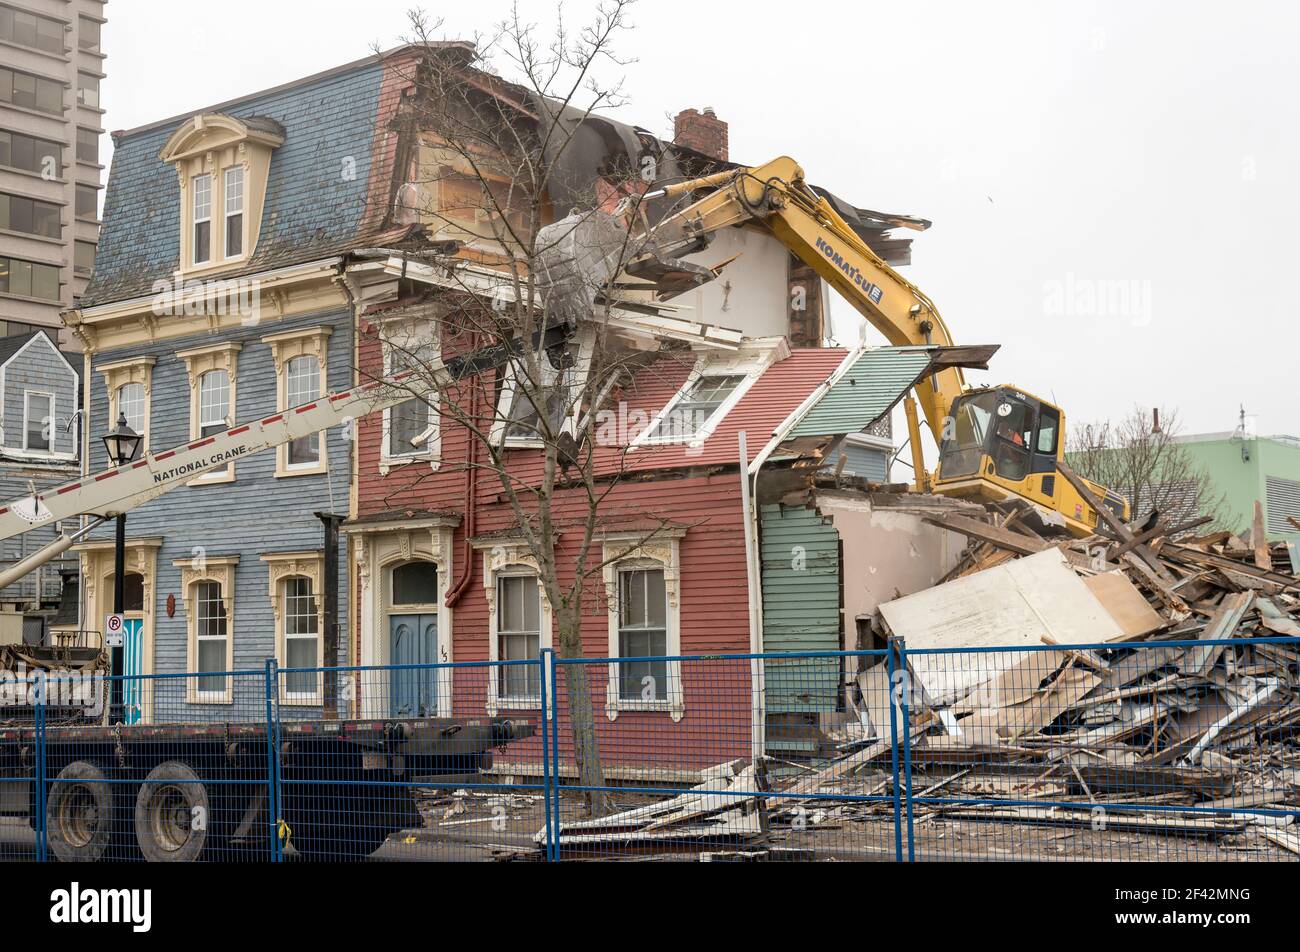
point(501, 169)
point(1140, 457)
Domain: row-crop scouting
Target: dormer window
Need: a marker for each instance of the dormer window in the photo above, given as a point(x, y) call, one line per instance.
point(235, 212)
point(222, 163)
point(202, 219)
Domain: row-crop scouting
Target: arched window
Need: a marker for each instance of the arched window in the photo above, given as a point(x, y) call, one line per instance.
point(302, 385)
point(130, 400)
point(214, 406)
point(301, 636)
point(415, 583)
point(132, 591)
point(211, 635)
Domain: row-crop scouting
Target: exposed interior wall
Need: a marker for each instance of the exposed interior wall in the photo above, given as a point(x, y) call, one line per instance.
point(888, 552)
point(750, 294)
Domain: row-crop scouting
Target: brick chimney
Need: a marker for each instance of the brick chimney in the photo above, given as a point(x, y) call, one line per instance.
point(702, 131)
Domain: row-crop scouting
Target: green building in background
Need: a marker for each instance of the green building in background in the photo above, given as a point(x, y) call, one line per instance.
point(1246, 468)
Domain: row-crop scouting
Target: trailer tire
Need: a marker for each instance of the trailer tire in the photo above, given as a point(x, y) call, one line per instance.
point(173, 815)
point(79, 813)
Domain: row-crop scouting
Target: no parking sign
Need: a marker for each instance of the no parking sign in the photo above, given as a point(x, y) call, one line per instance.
point(113, 625)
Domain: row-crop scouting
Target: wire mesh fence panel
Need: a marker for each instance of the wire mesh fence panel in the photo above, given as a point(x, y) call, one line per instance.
point(165, 768)
point(656, 757)
point(400, 761)
point(26, 705)
point(1173, 750)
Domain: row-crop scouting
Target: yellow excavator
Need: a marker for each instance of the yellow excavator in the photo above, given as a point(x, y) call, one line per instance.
point(995, 443)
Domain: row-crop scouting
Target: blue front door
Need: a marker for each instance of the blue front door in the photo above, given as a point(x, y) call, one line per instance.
point(413, 639)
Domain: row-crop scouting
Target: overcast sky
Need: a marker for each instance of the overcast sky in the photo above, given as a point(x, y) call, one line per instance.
point(1110, 183)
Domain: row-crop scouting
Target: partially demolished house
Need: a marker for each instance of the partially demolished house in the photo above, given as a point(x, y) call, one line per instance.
point(440, 572)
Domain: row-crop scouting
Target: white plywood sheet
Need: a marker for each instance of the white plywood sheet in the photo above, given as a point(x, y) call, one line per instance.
point(1021, 602)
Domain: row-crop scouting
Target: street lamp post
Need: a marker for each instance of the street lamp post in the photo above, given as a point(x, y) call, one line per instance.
point(122, 445)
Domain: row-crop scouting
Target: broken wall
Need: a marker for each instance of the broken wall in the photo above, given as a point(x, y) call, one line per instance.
point(751, 293)
point(888, 552)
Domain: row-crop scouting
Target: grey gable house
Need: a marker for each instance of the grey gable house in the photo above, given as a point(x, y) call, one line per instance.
point(39, 432)
point(219, 297)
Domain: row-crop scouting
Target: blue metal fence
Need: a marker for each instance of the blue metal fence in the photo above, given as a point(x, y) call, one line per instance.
point(1151, 750)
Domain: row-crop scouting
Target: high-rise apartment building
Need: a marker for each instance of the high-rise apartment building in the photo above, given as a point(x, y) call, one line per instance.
point(51, 124)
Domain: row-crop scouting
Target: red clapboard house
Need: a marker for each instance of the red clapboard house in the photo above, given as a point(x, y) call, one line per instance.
point(439, 576)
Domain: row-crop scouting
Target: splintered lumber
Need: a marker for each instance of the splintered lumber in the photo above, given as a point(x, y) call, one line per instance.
point(1236, 713)
point(984, 532)
point(841, 768)
point(1282, 838)
point(1263, 559)
point(1185, 554)
point(721, 805)
point(1223, 623)
point(1171, 599)
point(1002, 538)
point(1158, 529)
point(1116, 524)
point(1138, 665)
point(1112, 819)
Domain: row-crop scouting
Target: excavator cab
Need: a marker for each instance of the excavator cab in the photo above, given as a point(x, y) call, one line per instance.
point(1001, 442)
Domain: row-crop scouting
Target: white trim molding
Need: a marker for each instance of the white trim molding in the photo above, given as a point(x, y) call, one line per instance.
point(502, 558)
point(751, 361)
point(117, 374)
point(280, 567)
point(199, 361)
point(662, 551)
point(207, 568)
point(410, 333)
point(306, 342)
point(379, 547)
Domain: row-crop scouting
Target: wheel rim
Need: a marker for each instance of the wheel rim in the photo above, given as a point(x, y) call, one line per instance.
point(170, 817)
point(78, 815)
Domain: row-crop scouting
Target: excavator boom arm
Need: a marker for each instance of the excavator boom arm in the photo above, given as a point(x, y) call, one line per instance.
point(776, 197)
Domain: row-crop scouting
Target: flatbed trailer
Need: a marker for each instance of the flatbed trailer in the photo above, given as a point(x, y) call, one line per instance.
point(215, 790)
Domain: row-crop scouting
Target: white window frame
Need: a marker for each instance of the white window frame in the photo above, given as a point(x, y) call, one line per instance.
point(196, 219)
point(221, 570)
point(198, 362)
point(281, 568)
point(510, 389)
point(228, 211)
point(137, 424)
point(27, 408)
point(122, 372)
point(499, 560)
point(308, 342)
point(431, 451)
point(749, 363)
point(662, 552)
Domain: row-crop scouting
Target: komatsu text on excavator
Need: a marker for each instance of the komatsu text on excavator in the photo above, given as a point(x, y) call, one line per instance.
point(994, 444)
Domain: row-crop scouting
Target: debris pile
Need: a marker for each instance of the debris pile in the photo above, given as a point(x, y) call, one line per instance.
point(1124, 724)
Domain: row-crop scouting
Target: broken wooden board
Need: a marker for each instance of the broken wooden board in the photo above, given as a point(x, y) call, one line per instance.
point(1125, 603)
point(1114, 819)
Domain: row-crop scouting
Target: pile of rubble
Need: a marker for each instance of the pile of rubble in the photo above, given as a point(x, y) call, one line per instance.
point(1130, 721)
point(1046, 676)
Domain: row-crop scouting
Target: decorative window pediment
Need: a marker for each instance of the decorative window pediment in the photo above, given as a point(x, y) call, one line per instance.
point(222, 163)
point(135, 374)
point(301, 369)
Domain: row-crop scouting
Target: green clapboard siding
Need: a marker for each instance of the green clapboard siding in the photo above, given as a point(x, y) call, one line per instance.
point(876, 381)
point(801, 608)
